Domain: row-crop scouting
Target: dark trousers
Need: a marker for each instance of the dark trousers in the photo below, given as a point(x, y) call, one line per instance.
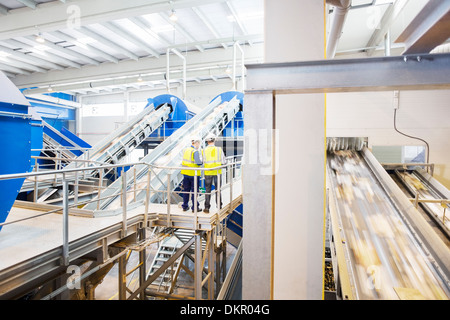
point(209, 181)
point(188, 186)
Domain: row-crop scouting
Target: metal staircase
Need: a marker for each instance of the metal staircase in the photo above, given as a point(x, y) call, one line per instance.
point(165, 283)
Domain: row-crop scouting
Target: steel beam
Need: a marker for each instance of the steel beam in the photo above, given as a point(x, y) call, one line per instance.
point(197, 60)
point(430, 28)
point(55, 15)
point(17, 280)
point(418, 72)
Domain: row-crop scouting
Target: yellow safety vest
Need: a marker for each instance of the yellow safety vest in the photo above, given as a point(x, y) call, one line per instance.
point(188, 161)
point(213, 159)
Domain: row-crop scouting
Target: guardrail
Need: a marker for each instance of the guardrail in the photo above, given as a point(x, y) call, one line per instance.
point(231, 171)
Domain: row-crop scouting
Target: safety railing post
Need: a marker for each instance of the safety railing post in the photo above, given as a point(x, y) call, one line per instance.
point(147, 197)
point(134, 179)
point(36, 183)
point(65, 248)
point(75, 189)
point(230, 174)
point(168, 198)
point(219, 187)
point(194, 201)
point(124, 202)
point(100, 185)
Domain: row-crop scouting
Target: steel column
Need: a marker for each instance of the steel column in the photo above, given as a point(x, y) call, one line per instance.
point(198, 267)
point(122, 277)
point(65, 250)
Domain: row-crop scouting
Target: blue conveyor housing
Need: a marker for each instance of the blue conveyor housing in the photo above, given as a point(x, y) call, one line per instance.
point(180, 113)
point(234, 128)
point(19, 131)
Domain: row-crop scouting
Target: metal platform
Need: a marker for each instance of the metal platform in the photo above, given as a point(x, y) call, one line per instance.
point(31, 250)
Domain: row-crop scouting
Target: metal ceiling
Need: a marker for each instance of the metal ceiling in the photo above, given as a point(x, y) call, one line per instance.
point(79, 38)
point(122, 44)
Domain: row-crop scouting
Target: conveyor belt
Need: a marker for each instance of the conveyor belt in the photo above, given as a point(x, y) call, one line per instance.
point(385, 254)
point(214, 117)
point(114, 147)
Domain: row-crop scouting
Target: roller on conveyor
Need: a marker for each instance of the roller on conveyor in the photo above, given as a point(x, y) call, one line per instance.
point(213, 118)
point(382, 247)
point(424, 191)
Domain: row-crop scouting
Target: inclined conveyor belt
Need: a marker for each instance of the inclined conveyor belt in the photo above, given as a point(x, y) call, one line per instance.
point(384, 248)
point(213, 118)
point(114, 147)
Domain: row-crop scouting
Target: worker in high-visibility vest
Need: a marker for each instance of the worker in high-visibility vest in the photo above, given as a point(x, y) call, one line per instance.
point(213, 157)
point(192, 158)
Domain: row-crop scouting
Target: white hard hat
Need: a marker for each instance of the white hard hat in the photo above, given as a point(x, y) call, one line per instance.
point(210, 137)
point(195, 139)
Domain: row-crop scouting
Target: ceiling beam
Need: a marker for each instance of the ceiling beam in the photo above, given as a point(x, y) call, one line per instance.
point(430, 28)
point(129, 37)
point(208, 24)
point(388, 19)
point(230, 40)
point(145, 66)
point(28, 58)
point(9, 75)
point(109, 43)
point(10, 60)
point(66, 51)
point(12, 69)
point(70, 39)
point(192, 76)
point(42, 54)
point(55, 15)
point(237, 20)
point(140, 22)
point(181, 30)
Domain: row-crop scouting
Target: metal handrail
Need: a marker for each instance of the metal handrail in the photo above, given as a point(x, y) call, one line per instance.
point(65, 207)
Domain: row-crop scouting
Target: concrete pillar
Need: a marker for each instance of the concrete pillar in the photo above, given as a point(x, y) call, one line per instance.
point(284, 204)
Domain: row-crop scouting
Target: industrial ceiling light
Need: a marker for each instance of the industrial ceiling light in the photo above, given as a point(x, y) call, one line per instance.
point(228, 70)
point(173, 17)
point(139, 78)
point(50, 89)
point(39, 38)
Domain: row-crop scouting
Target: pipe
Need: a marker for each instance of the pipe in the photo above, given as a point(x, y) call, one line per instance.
point(337, 24)
point(387, 44)
point(168, 70)
point(236, 44)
